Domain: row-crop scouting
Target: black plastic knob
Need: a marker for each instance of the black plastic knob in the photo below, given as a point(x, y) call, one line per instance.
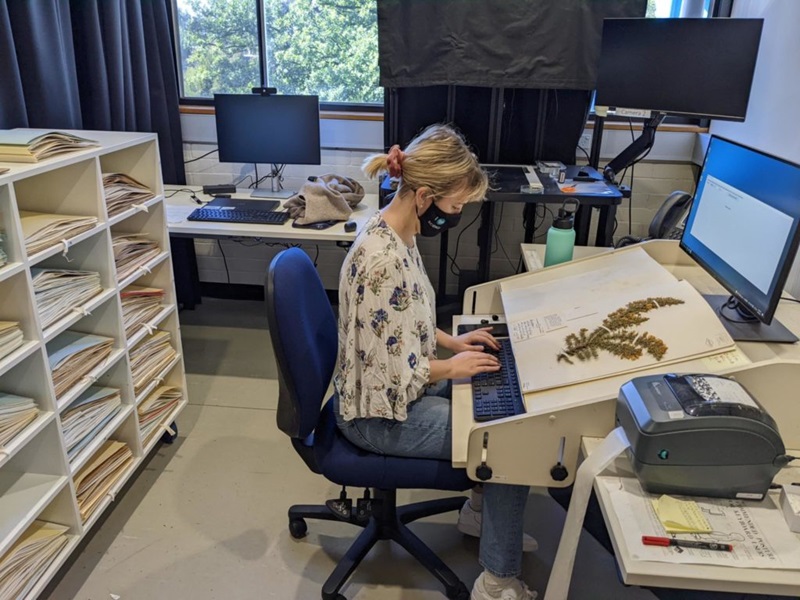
point(559, 472)
point(484, 472)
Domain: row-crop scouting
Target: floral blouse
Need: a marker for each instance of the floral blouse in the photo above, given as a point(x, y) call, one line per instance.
point(387, 327)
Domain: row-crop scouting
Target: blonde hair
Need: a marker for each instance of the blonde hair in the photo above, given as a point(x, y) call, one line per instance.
point(439, 159)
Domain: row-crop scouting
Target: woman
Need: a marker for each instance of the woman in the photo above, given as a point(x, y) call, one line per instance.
point(392, 390)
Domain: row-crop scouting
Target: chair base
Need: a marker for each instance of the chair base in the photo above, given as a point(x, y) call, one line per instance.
point(387, 522)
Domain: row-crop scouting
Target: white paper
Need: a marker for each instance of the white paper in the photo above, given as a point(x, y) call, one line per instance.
point(178, 214)
point(689, 330)
point(756, 530)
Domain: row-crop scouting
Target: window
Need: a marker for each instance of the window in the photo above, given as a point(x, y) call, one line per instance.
point(664, 9)
point(323, 47)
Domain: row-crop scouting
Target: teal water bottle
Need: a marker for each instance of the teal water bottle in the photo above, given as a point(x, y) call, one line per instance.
point(561, 236)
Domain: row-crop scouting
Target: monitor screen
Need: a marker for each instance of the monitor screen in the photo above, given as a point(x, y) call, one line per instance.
point(701, 67)
point(743, 224)
point(254, 128)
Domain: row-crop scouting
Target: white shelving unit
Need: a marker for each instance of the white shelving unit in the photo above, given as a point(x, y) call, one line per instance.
point(36, 477)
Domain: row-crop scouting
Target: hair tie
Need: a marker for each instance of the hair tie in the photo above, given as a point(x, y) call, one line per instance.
point(394, 161)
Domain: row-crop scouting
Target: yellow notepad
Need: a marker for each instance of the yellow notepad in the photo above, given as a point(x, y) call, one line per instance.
point(680, 516)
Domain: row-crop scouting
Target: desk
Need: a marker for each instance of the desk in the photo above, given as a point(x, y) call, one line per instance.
point(692, 576)
point(507, 182)
point(522, 449)
point(180, 205)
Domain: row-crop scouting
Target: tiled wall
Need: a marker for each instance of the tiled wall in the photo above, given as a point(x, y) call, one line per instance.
point(247, 260)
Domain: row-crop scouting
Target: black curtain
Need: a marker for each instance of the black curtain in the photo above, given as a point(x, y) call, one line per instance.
point(92, 64)
point(549, 44)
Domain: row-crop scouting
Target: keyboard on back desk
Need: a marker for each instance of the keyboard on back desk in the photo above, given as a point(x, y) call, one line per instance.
point(258, 217)
point(498, 395)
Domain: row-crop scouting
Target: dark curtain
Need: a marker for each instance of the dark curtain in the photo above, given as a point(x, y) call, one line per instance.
point(92, 64)
point(551, 44)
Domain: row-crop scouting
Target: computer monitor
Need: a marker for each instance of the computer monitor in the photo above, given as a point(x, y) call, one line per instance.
point(697, 67)
point(268, 129)
point(743, 229)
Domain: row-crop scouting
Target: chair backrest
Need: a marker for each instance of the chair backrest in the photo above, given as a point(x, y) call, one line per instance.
point(304, 337)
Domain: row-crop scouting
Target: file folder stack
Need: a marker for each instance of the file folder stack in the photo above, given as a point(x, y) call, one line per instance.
point(42, 231)
point(149, 357)
point(131, 252)
point(10, 337)
point(87, 416)
point(153, 410)
point(16, 413)
point(95, 480)
point(33, 145)
point(139, 306)
point(123, 191)
point(30, 557)
point(57, 291)
point(73, 354)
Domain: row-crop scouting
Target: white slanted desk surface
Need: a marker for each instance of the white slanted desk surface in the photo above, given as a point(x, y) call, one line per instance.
point(691, 576)
point(181, 204)
point(522, 449)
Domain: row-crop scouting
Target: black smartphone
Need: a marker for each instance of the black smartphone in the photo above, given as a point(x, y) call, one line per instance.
point(498, 329)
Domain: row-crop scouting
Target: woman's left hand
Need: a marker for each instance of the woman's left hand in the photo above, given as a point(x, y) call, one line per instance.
point(476, 341)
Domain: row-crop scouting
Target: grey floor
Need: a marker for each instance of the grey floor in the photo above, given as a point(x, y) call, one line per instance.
point(206, 517)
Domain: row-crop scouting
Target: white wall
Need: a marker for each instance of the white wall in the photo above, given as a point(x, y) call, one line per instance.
point(773, 121)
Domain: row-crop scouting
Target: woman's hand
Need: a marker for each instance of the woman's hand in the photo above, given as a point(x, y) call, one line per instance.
point(475, 341)
point(468, 363)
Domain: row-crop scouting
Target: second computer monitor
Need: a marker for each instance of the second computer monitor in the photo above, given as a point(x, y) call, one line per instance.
point(268, 129)
point(744, 229)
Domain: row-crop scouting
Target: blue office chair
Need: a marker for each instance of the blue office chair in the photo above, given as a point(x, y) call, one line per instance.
point(304, 337)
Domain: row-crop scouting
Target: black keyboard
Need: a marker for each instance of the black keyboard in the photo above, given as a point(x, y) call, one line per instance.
point(260, 217)
point(498, 395)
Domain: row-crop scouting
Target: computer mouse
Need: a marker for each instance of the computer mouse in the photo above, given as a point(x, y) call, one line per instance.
point(350, 226)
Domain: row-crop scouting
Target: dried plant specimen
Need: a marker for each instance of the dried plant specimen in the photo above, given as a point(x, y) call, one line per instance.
point(618, 335)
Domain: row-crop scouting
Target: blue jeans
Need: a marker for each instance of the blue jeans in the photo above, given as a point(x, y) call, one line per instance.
point(427, 433)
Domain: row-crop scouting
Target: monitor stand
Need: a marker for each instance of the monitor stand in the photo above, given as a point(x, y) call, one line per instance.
point(266, 193)
point(749, 331)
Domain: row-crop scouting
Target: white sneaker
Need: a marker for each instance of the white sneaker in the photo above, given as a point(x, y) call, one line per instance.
point(469, 523)
point(517, 590)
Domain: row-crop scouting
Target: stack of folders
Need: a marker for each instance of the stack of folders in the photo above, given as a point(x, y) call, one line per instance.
point(155, 407)
point(58, 291)
point(16, 413)
point(33, 145)
point(10, 337)
point(42, 231)
point(3, 255)
point(149, 357)
point(73, 354)
point(139, 306)
point(85, 418)
point(123, 192)
point(30, 557)
point(131, 252)
point(95, 480)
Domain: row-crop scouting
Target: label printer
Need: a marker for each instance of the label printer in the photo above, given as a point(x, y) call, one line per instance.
point(699, 435)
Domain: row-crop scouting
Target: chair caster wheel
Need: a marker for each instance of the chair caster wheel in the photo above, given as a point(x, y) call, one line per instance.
point(459, 592)
point(298, 529)
point(168, 437)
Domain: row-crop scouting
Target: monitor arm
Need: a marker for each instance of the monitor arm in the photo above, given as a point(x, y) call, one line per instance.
point(638, 147)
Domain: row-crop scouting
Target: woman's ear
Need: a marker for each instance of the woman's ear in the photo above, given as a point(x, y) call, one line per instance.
point(423, 197)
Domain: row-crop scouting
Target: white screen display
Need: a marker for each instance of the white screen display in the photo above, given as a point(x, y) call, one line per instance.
point(743, 231)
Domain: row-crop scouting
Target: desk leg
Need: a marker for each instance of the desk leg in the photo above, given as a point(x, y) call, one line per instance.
point(582, 221)
point(485, 240)
point(605, 227)
point(529, 215)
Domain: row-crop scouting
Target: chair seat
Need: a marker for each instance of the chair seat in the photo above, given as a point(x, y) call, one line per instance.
point(346, 464)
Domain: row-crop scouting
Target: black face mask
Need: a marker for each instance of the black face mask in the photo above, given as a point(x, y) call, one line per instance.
point(434, 221)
